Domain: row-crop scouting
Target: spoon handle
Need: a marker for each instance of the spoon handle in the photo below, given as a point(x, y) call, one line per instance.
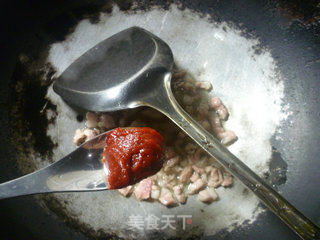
point(79, 171)
point(29, 184)
point(44, 180)
point(166, 103)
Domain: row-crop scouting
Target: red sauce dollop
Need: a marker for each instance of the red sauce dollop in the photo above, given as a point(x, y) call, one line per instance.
point(132, 154)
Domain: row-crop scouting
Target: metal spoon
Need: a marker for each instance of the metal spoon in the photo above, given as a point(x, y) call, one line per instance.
point(81, 170)
point(132, 69)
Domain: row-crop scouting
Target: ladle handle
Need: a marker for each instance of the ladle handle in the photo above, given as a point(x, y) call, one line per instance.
point(166, 103)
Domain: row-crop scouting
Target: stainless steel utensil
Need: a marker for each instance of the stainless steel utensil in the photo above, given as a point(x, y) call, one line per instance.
point(81, 170)
point(132, 69)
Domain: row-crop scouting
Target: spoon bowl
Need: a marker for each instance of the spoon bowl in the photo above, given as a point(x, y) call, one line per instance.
point(120, 72)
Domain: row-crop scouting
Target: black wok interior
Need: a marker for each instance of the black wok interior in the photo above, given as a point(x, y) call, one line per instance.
point(291, 30)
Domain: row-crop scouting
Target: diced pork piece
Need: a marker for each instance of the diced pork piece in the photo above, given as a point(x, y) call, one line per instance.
point(216, 123)
point(204, 177)
point(216, 104)
point(196, 186)
point(179, 74)
point(90, 116)
point(206, 125)
point(177, 169)
point(92, 124)
point(198, 169)
point(197, 155)
point(79, 137)
point(215, 178)
point(169, 152)
point(208, 169)
point(153, 178)
point(222, 113)
point(218, 130)
point(155, 192)
point(166, 168)
point(92, 120)
point(202, 163)
point(195, 176)
point(188, 100)
point(160, 174)
point(107, 121)
point(126, 191)
point(215, 174)
point(90, 133)
point(161, 182)
point(182, 198)
point(204, 196)
point(227, 180)
point(178, 143)
point(168, 177)
point(207, 195)
point(227, 137)
point(189, 109)
point(184, 162)
point(215, 120)
point(220, 178)
point(190, 148)
point(181, 134)
point(171, 184)
point(177, 190)
point(203, 113)
point(204, 85)
point(143, 190)
point(186, 174)
point(189, 87)
point(172, 162)
point(213, 193)
point(166, 197)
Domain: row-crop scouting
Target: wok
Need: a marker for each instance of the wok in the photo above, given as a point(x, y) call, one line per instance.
point(290, 32)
